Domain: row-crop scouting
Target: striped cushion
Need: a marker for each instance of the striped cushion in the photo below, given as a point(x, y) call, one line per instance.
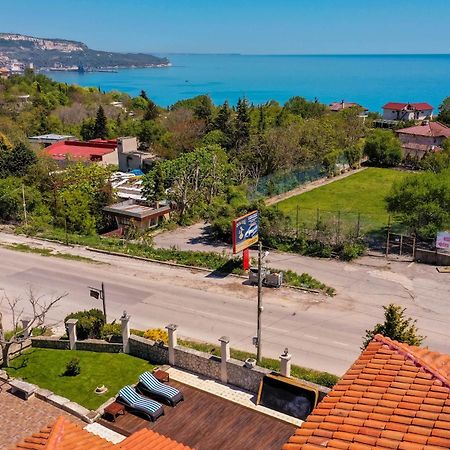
point(153, 385)
point(138, 401)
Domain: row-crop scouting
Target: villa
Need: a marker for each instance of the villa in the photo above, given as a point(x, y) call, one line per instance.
point(407, 111)
point(421, 139)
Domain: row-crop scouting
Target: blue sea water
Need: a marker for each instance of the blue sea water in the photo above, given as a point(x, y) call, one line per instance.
point(371, 80)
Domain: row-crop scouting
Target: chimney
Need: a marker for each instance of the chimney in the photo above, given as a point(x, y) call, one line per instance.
point(425, 122)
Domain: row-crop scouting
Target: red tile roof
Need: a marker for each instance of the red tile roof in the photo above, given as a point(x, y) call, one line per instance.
point(81, 150)
point(395, 396)
point(413, 106)
point(64, 435)
point(431, 129)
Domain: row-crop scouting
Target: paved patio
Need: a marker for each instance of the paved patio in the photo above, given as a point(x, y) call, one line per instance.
point(20, 418)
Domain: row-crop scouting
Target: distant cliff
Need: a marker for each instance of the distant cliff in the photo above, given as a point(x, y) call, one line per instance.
point(50, 53)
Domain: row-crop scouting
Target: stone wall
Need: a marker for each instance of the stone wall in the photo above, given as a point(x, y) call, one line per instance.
point(243, 377)
point(197, 362)
point(91, 345)
point(98, 345)
point(148, 350)
point(50, 342)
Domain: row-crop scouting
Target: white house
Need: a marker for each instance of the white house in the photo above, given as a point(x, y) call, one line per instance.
point(407, 111)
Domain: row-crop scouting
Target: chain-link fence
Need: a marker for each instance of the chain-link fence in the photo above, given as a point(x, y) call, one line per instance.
point(281, 182)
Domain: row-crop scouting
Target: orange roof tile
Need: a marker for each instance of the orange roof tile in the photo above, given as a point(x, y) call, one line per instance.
point(65, 435)
point(146, 439)
point(395, 396)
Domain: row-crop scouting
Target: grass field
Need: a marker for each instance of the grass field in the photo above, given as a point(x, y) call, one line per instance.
point(45, 368)
point(362, 193)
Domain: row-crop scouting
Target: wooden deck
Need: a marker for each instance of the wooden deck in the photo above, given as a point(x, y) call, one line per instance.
point(204, 421)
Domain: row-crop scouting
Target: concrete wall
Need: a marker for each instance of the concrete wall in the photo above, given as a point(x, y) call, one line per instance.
point(98, 345)
point(110, 159)
point(432, 257)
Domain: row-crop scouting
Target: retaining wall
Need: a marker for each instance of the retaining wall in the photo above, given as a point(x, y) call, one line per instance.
point(432, 257)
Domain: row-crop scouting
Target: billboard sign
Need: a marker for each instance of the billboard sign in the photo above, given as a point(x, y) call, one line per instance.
point(443, 241)
point(245, 231)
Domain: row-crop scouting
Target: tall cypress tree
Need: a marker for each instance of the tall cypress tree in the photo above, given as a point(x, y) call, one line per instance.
point(143, 94)
point(242, 124)
point(100, 129)
point(151, 113)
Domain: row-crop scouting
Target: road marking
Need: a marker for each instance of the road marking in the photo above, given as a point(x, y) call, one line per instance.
point(409, 265)
point(311, 337)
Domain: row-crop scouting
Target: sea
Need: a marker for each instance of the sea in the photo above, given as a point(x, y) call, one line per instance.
point(370, 80)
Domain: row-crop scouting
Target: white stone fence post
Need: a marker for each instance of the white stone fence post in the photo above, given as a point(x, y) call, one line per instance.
point(72, 330)
point(173, 341)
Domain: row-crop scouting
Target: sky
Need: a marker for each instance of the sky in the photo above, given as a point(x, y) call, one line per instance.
point(238, 26)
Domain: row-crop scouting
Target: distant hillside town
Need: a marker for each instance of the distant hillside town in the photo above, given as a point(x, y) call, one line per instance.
point(18, 52)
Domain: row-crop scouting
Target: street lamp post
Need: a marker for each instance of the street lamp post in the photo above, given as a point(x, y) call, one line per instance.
point(99, 294)
point(260, 306)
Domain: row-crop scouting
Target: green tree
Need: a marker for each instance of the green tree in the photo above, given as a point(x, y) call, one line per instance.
point(353, 155)
point(203, 109)
point(76, 211)
point(139, 103)
point(242, 124)
point(189, 180)
point(304, 108)
point(100, 126)
point(437, 161)
point(143, 95)
point(151, 112)
point(383, 148)
point(395, 326)
point(422, 202)
point(87, 129)
point(444, 111)
point(17, 160)
point(224, 123)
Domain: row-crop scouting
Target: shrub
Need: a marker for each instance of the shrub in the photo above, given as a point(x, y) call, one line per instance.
point(351, 251)
point(72, 368)
point(383, 148)
point(90, 323)
point(111, 330)
point(157, 334)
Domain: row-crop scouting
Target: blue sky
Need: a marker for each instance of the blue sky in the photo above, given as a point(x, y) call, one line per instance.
point(238, 26)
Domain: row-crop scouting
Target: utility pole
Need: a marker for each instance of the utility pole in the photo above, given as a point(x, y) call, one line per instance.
point(99, 294)
point(260, 307)
point(24, 206)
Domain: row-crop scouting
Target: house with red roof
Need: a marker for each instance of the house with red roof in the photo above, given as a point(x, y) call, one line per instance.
point(421, 139)
point(395, 396)
point(97, 151)
point(122, 152)
point(407, 111)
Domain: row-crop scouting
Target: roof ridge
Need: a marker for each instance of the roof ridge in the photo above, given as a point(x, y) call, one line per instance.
point(56, 433)
point(404, 350)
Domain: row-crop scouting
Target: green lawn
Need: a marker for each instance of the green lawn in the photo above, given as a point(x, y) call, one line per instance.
point(362, 193)
point(44, 367)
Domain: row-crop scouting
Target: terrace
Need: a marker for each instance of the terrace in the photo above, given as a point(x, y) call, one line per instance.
point(204, 421)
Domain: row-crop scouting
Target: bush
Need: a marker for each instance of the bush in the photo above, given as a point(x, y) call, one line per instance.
point(351, 251)
point(90, 323)
point(157, 334)
point(111, 330)
point(72, 368)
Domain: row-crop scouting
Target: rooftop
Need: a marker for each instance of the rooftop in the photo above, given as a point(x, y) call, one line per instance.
point(131, 209)
point(81, 150)
point(408, 106)
point(395, 396)
point(63, 434)
point(432, 129)
point(339, 106)
point(52, 137)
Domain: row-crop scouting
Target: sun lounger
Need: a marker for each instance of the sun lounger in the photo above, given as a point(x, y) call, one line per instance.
point(139, 404)
point(149, 385)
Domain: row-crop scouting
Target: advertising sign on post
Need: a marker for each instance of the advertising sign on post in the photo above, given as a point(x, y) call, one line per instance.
point(443, 241)
point(245, 231)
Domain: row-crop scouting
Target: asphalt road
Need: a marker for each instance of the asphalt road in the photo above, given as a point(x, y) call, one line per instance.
point(321, 332)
